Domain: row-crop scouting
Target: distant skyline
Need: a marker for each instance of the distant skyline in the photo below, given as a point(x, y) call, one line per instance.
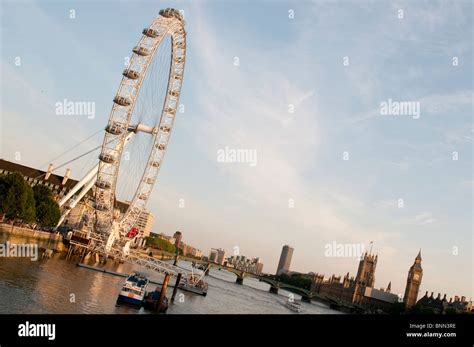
point(305, 95)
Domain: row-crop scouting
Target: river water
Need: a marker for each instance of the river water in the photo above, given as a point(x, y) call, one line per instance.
point(57, 285)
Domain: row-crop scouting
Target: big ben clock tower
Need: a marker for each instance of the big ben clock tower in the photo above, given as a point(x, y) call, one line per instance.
point(413, 282)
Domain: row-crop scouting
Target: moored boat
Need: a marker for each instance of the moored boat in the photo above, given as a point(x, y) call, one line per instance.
point(200, 289)
point(295, 306)
point(134, 289)
point(194, 283)
point(152, 300)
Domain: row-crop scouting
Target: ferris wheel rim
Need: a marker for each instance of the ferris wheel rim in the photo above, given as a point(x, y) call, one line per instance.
point(163, 25)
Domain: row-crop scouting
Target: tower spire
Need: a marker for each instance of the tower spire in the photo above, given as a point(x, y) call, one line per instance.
point(415, 275)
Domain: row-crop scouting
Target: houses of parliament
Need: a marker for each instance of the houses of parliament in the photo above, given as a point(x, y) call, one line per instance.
point(360, 291)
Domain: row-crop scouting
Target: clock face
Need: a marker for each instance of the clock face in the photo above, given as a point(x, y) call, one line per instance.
point(416, 277)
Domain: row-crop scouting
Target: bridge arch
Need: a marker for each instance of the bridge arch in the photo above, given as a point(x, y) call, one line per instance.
point(306, 295)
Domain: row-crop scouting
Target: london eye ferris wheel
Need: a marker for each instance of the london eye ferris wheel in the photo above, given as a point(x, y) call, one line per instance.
point(139, 126)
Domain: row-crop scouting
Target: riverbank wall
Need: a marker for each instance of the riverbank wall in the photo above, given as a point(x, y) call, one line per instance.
point(44, 238)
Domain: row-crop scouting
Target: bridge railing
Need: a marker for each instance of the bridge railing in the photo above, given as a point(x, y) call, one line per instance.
point(148, 262)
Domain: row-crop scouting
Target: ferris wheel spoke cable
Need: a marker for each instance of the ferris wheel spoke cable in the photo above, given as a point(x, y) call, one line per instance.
point(72, 160)
point(67, 151)
point(153, 92)
point(74, 146)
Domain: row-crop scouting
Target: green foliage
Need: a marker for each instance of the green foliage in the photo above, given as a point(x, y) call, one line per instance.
point(48, 213)
point(18, 201)
point(4, 186)
point(397, 308)
point(47, 209)
point(297, 280)
point(30, 207)
point(155, 242)
point(418, 309)
point(3, 189)
point(450, 310)
point(42, 193)
point(16, 198)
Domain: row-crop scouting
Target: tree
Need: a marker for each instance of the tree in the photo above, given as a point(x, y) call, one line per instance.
point(42, 193)
point(3, 188)
point(450, 310)
point(47, 209)
point(29, 214)
point(3, 193)
point(297, 280)
point(16, 198)
point(160, 244)
point(397, 308)
point(48, 213)
point(420, 309)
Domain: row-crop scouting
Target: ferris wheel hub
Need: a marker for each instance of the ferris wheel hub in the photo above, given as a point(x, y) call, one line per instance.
point(143, 128)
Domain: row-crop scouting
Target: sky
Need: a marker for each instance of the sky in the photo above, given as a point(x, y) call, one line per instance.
point(305, 96)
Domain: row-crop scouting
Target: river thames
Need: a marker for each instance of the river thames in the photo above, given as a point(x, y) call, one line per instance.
point(57, 285)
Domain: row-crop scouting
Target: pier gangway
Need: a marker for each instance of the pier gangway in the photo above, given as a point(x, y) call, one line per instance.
point(151, 263)
point(135, 257)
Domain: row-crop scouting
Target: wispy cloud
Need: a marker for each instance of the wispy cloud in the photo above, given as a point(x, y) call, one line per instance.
point(423, 218)
point(292, 100)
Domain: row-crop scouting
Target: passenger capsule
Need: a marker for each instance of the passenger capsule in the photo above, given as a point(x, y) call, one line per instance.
point(133, 75)
point(114, 128)
point(122, 101)
point(165, 128)
point(151, 32)
point(141, 51)
point(107, 158)
point(101, 206)
point(103, 184)
point(171, 12)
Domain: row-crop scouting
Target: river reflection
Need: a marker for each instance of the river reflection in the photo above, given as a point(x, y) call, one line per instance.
point(57, 285)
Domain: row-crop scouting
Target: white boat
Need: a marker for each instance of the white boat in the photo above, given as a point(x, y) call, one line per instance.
point(134, 289)
point(295, 306)
point(194, 283)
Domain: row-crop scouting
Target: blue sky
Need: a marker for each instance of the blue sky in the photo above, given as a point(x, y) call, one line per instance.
point(282, 61)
